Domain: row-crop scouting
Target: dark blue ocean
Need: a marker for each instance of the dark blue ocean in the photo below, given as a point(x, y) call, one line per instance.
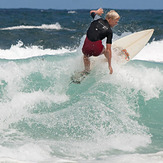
point(44, 118)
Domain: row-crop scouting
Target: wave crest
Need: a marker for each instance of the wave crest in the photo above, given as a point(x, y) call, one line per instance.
point(20, 51)
point(55, 26)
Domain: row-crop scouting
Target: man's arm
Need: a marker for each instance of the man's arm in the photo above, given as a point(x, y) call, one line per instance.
point(108, 55)
point(98, 12)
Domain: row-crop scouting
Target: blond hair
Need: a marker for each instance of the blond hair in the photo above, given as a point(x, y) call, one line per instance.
point(112, 14)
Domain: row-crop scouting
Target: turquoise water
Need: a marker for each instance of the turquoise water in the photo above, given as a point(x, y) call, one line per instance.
point(107, 118)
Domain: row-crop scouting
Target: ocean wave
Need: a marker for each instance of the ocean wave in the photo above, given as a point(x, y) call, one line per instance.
point(71, 12)
point(37, 96)
point(19, 51)
point(55, 26)
point(151, 52)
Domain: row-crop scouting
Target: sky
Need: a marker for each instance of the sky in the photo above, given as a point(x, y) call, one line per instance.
point(82, 4)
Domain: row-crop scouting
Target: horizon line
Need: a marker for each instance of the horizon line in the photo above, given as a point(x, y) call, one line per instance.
point(74, 8)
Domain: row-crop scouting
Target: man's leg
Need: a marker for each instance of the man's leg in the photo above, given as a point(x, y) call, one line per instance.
point(103, 52)
point(86, 63)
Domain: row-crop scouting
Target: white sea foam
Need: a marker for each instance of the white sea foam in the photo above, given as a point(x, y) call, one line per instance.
point(151, 52)
point(24, 154)
point(149, 81)
point(71, 12)
point(130, 158)
point(18, 51)
point(33, 153)
point(56, 26)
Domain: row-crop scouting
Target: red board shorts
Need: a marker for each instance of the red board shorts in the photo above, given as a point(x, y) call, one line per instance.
point(92, 48)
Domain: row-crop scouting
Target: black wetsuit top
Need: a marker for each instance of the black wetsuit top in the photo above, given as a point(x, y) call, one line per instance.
point(99, 29)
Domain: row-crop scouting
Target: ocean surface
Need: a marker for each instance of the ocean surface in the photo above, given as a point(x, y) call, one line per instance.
point(44, 118)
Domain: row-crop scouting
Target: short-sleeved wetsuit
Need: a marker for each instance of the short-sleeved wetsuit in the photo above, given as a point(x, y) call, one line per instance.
point(98, 30)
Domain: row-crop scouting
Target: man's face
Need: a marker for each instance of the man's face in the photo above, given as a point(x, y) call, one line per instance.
point(113, 22)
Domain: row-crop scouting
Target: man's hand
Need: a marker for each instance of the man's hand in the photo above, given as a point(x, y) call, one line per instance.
point(100, 11)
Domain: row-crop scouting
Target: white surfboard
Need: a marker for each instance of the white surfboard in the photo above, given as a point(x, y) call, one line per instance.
point(129, 46)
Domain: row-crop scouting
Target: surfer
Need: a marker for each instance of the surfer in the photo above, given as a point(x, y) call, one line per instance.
point(98, 30)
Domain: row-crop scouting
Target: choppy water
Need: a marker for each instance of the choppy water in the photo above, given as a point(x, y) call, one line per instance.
point(105, 119)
